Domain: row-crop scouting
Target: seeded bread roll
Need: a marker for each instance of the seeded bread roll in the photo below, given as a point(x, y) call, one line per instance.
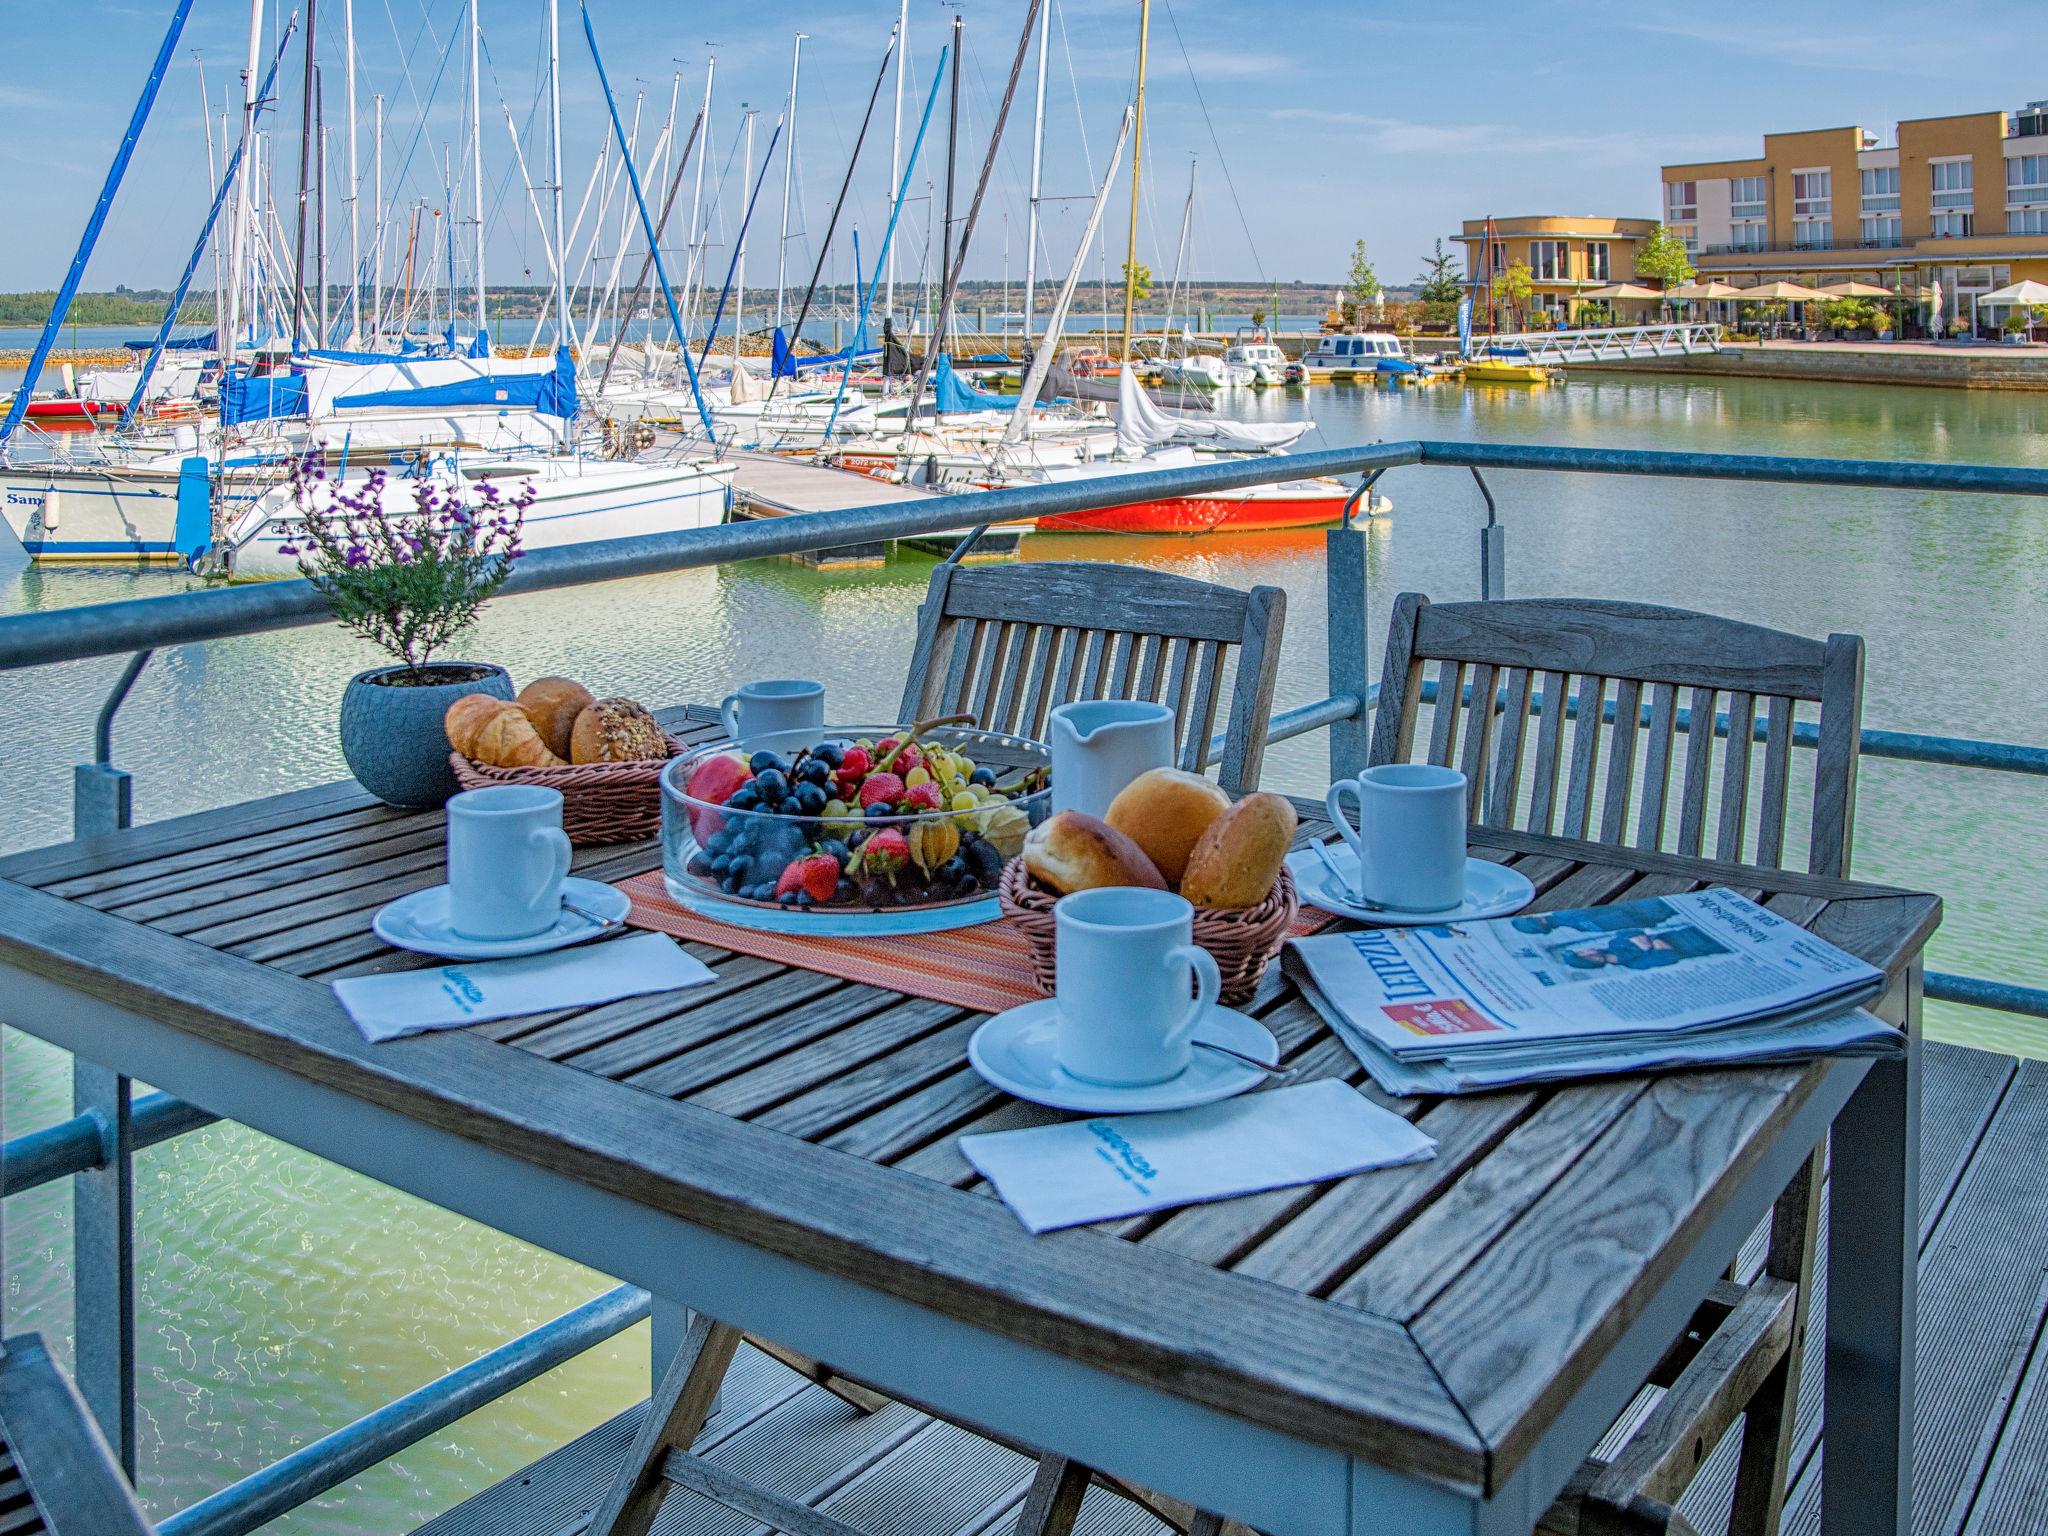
point(1237, 862)
point(1072, 852)
point(508, 740)
point(552, 704)
point(467, 716)
point(1165, 812)
point(616, 731)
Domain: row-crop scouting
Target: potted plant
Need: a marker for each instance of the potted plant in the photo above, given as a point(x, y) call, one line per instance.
point(409, 582)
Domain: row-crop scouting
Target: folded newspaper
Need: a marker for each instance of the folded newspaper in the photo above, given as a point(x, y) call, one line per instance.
point(1699, 979)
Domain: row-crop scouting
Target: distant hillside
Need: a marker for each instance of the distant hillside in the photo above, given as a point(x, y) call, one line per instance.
point(124, 306)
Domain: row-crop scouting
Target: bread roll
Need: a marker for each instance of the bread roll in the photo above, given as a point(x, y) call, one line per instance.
point(616, 731)
point(467, 716)
point(552, 704)
point(1165, 812)
point(508, 740)
point(1071, 852)
point(1238, 859)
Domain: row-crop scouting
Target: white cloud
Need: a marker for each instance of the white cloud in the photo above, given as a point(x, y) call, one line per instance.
point(1394, 135)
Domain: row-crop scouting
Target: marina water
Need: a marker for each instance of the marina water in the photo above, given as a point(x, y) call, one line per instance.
point(281, 1297)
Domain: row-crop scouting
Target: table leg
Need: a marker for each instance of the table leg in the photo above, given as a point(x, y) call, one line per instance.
point(1873, 1277)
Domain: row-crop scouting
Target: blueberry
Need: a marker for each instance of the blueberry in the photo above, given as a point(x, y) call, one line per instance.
point(719, 864)
point(986, 777)
point(983, 861)
point(762, 892)
point(803, 900)
point(830, 753)
point(845, 891)
point(968, 885)
point(880, 810)
point(762, 762)
point(699, 865)
point(813, 770)
point(787, 898)
point(837, 849)
point(858, 836)
point(730, 884)
point(771, 785)
point(745, 798)
point(810, 799)
point(715, 843)
point(954, 870)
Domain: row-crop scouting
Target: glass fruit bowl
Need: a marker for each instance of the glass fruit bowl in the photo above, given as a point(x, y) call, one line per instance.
point(874, 819)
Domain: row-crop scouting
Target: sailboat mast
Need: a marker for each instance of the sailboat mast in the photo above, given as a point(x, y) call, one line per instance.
point(739, 291)
point(355, 179)
point(476, 157)
point(377, 220)
point(1137, 167)
point(555, 168)
point(895, 153)
point(305, 174)
point(952, 150)
point(693, 273)
point(1037, 160)
point(320, 198)
point(788, 165)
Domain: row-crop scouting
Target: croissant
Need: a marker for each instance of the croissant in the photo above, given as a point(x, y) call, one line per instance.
point(467, 716)
point(508, 740)
point(552, 704)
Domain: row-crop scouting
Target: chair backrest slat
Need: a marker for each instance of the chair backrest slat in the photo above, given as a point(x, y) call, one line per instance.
point(1699, 771)
point(1013, 643)
point(1735, 776)
point(1659, 738)
point(1610, 684)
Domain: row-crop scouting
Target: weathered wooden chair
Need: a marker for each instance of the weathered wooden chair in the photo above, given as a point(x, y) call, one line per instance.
point(1006, 645)
point(1513, 680)
point(1009, 643)
point(57, 1476)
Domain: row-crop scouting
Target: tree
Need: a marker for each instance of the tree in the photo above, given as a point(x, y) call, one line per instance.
point(1663, 258)
point(1514, 287)
point(1138, 278)
point(1439, 282)
point(1258, 318)
point(1364, 285)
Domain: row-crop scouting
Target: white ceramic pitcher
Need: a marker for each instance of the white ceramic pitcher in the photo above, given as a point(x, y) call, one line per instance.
point(1100, 745)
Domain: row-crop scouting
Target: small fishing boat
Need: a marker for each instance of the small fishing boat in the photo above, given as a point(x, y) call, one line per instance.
point(1488, 369)
point(1357, 355)
point(1267, 364)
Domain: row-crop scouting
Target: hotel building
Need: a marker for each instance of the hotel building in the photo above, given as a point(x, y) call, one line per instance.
point(1960, 201)
point(1566, 254)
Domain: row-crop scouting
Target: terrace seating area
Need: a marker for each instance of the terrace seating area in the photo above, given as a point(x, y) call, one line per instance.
point(1626, 1304)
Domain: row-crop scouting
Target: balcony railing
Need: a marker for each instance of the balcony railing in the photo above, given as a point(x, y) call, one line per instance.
point(1888, 243)
point(98, 1144)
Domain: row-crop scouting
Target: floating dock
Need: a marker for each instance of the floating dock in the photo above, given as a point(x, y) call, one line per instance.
point(771, 485)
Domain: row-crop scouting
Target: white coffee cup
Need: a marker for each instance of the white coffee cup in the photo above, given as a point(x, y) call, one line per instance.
point(1124, 958)
point(1410, 837)
point(781, 715)
point(507, 858)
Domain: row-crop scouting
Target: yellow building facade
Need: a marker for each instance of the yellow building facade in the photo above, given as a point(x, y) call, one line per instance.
point(1959, 201)
point(1567, 255)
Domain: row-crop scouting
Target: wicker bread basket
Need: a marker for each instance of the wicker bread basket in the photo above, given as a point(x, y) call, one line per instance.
point(1242, 941)
point(601, 802)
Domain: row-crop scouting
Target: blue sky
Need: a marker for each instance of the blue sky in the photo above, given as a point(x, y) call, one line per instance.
point(1310, 125)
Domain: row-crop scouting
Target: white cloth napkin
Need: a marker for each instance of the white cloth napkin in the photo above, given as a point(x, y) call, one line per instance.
point(413, 1002)
point(1119, 1165)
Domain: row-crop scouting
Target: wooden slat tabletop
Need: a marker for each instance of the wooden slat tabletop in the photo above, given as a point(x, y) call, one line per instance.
point(1433, 1318)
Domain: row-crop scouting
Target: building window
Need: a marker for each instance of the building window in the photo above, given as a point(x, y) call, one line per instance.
point(1598, 264)
point(1746, 197)
point(1690, 235)
point(2026, 221)
point(1881, 229)
point(1813, 234)
point(2026, 180)
point(1812, 194)
point(1548, 260)
point(1499, 264)
point(1746, 237)
point(1681, 202)
point(1881, 189)
point(1951, 180)
point(1951, 226)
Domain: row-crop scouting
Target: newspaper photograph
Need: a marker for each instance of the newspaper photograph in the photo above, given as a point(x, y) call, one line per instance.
point(1700, 961)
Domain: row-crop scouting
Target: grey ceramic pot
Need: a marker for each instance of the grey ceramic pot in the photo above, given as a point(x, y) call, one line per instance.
point(391, 733)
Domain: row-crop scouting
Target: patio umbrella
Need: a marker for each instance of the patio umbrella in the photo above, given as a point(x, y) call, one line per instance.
point(1852, 289)
point(1712, 288)
point(1791, 293)
point(1624, 291)
point(2026, 291)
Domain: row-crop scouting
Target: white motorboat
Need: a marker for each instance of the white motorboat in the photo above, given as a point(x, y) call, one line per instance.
point(1357, 355)
point(1267, 364)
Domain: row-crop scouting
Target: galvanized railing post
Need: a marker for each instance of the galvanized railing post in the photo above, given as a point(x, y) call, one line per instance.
point(103, 1198)
point(1493, 547)
point(1344, 574)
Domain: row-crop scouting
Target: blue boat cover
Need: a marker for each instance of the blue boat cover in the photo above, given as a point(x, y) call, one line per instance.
point(550, 394)
point(262, 398)
point(786, 362)
point(480, 344)
point(952, 393)
point(181, 344)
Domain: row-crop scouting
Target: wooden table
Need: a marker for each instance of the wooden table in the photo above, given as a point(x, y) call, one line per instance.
point(1427, 1349)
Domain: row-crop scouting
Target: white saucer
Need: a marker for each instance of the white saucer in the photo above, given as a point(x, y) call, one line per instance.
point(1491, 890)
point(419, 922)
point(1014, 1052)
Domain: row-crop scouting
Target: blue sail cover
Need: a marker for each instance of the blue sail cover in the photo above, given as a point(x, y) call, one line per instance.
point(952, 393)
point(204, 343)
point(262, 398)
point(480, 346)
point(549, 394)
point(786, 362)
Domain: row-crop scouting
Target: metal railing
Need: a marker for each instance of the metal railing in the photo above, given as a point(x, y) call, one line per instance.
point(97, 1145)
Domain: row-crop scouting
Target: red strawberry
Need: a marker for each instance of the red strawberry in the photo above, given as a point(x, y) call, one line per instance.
point(816, 877)
point(885, 852)
point(877, 787)
point(912, 756)
point(854, 763)
point(925, 797)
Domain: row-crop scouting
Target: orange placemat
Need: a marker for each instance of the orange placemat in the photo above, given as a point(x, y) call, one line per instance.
point(986, 967)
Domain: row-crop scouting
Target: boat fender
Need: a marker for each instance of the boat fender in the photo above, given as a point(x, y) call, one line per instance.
point(50, 506)
point(192, 533)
